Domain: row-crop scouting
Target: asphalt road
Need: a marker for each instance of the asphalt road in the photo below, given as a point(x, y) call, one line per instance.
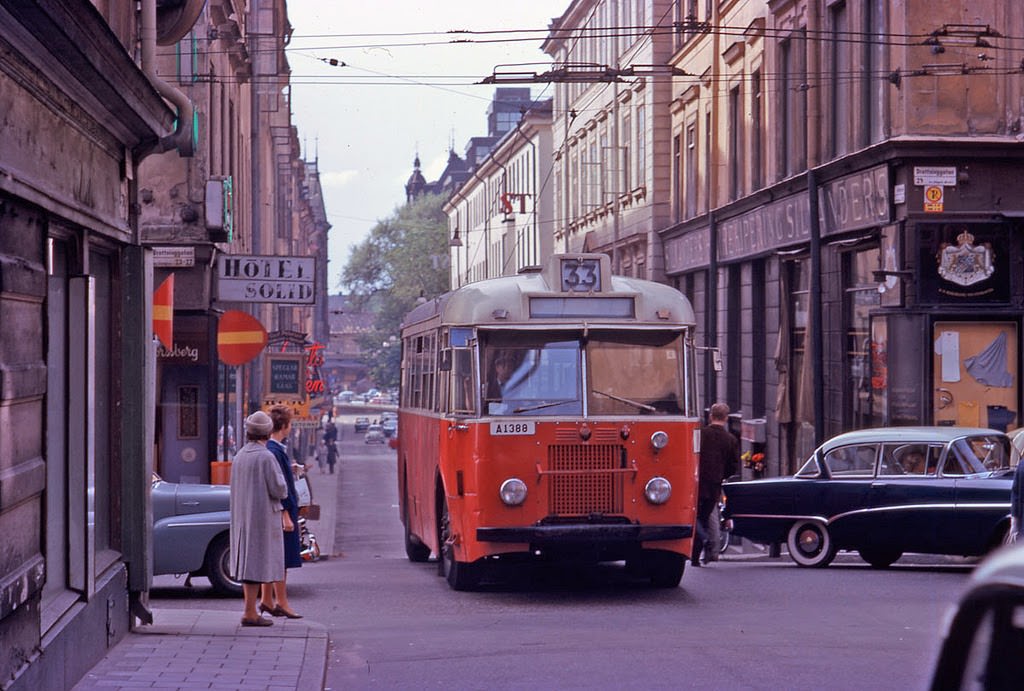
point(740, 623)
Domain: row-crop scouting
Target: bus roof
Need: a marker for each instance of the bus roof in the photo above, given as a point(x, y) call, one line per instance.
point(571, 289)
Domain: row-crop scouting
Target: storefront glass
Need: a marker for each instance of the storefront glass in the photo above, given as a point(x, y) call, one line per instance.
point(861, 296)
point(974, 374)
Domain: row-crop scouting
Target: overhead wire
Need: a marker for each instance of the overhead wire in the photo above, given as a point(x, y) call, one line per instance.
point(772, 82)
point(618, 31)
point(565, 142)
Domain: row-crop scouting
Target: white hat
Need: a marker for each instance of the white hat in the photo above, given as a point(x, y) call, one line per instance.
point(259, 423)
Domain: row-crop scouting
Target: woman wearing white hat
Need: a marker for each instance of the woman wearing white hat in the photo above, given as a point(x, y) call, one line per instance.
point(257, 488)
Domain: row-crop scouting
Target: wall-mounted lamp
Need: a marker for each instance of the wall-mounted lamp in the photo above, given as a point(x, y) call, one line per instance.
point(456, 240)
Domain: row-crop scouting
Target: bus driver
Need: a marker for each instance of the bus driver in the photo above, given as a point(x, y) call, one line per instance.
point(503, 367)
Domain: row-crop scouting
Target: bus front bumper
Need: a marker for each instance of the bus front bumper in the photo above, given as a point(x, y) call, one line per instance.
point(584, 533)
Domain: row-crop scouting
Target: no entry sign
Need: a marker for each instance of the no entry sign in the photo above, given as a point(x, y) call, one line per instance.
point(240, 338)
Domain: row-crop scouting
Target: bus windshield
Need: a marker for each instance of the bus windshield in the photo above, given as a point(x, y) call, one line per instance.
point(542, 374)
point(534, 376)
point(639, 372)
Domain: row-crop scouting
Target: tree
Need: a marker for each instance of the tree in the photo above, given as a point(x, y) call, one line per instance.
point(404, 258)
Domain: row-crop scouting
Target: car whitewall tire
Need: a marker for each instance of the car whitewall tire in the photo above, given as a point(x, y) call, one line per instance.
point(810, 544)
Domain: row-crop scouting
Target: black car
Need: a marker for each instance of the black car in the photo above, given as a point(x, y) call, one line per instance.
point(883, 492)
point(362, 423)
point(983, 641)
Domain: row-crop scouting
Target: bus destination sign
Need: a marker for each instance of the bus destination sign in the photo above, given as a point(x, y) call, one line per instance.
point(580, 275)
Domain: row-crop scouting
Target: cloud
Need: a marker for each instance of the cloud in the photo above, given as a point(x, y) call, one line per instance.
point(337, 178)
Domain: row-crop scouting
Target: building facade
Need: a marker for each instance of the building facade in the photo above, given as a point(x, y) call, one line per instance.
point(845, 207)
point(245, 191)
point(501, 218)
point(345, 367)
point(611, 169)
point(138, 141)
point(79, 116)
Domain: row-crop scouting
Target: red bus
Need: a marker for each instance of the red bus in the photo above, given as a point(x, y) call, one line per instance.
point(551, 414)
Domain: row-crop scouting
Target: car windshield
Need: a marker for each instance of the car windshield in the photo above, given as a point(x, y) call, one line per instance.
point(542, 374)
point(977, 455)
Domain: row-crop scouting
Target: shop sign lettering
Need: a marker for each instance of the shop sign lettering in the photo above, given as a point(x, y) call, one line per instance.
point(860, 200)
point(689, 251)
point(779, 224)
point(314, 361)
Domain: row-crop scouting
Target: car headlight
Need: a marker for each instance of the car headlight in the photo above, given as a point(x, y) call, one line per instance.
point(659, 440)
point(513, 491)
point(658, 490)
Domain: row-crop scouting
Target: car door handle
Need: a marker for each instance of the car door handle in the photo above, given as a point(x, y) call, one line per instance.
point(879, 484)
point(190, 503)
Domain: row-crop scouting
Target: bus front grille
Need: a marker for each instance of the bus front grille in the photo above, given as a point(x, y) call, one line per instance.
point(586, 479)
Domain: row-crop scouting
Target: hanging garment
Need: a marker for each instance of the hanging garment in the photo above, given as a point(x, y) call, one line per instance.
point(989, 366)
point(1000, 417)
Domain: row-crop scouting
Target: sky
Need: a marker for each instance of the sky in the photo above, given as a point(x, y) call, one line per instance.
point(365, 126)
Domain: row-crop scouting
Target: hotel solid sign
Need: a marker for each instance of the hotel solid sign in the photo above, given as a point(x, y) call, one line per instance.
point(274, 279)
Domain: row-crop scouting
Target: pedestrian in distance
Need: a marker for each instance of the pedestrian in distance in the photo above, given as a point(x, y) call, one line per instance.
point(719, 459)
point(321, 456)
point(330, 439)
point(274, 596)
point(257, 518)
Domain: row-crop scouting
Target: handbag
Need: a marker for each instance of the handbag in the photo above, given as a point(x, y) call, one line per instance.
point(302, 490)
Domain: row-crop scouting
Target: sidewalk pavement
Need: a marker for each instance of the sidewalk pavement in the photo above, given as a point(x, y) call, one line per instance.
point(191, 649)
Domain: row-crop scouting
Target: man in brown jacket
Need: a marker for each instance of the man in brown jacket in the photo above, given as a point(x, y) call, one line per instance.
point(719, 459)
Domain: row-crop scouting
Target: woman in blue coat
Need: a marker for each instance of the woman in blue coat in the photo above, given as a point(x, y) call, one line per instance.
point(274, 596)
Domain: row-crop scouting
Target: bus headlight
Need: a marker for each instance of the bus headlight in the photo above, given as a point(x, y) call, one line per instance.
point(659, 440)
point(513, 491)
point(658, 490)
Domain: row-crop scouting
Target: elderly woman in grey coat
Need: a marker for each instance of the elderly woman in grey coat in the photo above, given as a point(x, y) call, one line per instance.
point(257, 488)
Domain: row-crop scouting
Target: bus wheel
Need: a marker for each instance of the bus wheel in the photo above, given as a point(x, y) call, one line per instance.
point(460, 575)
point(414, 549)
point(665, 569)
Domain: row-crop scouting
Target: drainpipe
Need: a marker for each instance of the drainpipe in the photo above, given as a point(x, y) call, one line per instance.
point(711, 313)
point(181, 140)
point(817, 327)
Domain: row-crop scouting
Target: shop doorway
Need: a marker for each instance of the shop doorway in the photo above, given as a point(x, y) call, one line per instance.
point(975, 374)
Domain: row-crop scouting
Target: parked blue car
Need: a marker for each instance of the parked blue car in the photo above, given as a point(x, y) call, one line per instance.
point(883, 492)
point(190, 532)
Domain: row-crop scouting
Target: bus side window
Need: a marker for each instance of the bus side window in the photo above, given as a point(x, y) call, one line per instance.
point(463, 385)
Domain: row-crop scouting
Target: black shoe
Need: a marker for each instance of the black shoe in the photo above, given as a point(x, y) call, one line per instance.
point(695, 562)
